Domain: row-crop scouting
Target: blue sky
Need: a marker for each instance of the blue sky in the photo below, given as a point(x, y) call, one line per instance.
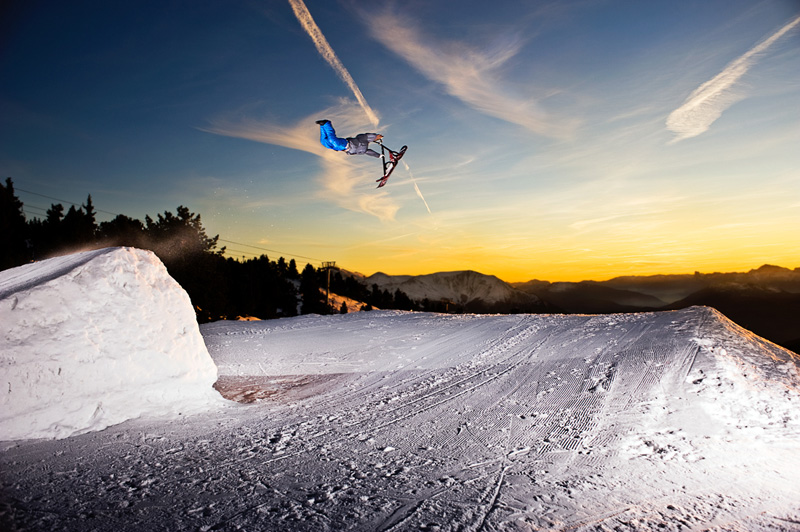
point(561, 140)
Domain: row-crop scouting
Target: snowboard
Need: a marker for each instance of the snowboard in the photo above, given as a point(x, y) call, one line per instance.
point(388, 167)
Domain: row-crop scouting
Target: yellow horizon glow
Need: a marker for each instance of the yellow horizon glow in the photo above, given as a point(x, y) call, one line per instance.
point(562, 269)
point(582, 272)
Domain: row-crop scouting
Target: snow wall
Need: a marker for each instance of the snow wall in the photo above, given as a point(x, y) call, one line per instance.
point(94, 339)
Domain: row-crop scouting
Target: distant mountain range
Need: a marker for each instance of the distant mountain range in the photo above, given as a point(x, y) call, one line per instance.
point(765, 300)
point(462, 291)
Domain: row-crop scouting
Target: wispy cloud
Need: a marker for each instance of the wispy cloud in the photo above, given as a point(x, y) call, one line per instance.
point(469, 74)
point(327, 53)
point(707, 103)
point(342, 175)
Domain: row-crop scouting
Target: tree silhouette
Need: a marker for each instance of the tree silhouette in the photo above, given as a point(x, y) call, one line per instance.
point(313, 300)
point(78, 226)
point(219, 288)
point(13, 229)
point(123, 231)
point(293, 273)
point(402, 301)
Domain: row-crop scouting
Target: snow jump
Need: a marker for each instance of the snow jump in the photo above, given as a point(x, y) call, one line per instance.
point(359, 145)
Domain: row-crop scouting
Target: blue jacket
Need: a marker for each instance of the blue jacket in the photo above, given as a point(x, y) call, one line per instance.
point(328, 138)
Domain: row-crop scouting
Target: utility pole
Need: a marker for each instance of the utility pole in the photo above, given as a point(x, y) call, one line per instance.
point(328, 266)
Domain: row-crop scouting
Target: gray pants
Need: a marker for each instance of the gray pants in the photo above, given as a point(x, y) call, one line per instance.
point(360, 144)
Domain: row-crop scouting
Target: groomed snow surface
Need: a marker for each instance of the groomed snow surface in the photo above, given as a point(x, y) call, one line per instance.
point(412, 421)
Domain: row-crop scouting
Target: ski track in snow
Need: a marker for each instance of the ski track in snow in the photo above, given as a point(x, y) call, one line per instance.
point(396, 421)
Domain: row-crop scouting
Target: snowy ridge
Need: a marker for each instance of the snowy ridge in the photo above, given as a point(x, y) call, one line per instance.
point(97, 338)
point(461, 287)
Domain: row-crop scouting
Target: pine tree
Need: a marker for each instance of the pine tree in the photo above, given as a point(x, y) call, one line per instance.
point(77, 228)
point(89, 220)
point(122, 231)
point(402, 301)
point(313, 299)
point(55, 214)
point(13, 229)
point(293, 273)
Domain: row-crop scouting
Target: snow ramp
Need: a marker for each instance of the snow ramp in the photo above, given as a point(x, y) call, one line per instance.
point(93, 339)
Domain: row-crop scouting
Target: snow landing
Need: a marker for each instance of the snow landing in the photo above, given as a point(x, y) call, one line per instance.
point(96, 338)
point(396, 421)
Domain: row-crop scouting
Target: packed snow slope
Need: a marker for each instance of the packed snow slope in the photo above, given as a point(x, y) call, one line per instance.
point(410, 421)
point(97, 338)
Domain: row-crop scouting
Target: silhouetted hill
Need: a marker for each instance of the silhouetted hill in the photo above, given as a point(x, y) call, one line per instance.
point(671, 288)
point(589, 297)
point(770, 313)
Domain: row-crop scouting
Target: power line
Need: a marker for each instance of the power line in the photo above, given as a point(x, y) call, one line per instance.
point(61, 200)
point(231, 252)
point(29, 207)
point(236, 253)
point(270, 250)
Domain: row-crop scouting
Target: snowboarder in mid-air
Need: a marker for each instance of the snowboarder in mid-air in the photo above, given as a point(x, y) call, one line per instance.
point(360, 145)
point(352, 145)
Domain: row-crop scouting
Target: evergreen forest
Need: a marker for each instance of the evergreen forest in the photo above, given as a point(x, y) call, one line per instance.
point(220, 287)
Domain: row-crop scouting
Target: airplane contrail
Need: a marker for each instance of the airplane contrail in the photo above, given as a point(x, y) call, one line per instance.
point(419, 192)
point(707, 103)
point(307, 21)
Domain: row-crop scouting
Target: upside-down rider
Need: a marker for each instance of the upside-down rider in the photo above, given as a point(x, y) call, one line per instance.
point(357, 145)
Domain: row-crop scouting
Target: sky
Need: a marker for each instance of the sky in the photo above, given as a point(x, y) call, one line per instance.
point(554, 140)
